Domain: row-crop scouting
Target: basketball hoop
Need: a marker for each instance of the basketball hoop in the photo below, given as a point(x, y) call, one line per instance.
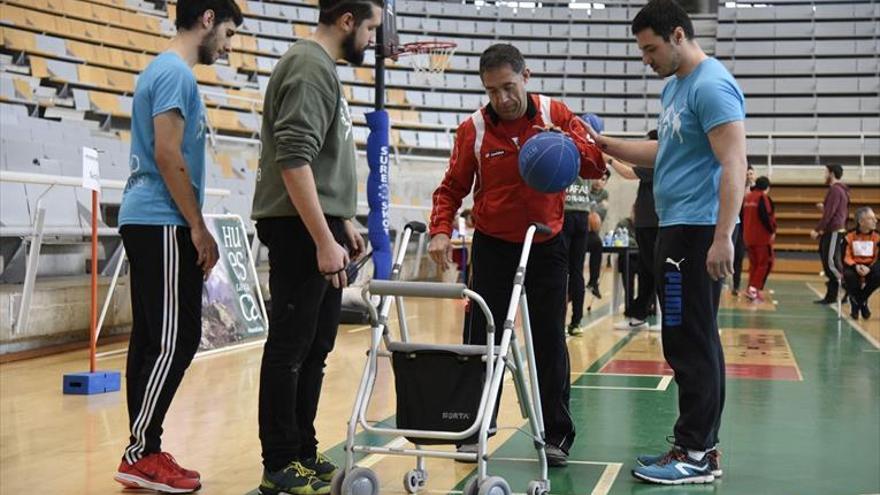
point(428, 59)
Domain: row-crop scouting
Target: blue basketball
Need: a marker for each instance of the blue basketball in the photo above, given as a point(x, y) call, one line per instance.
point(549, 162)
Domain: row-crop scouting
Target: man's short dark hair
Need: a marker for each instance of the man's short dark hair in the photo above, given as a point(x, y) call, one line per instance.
point(750, 167)
point(501, 54)
point(835, 170)
point(652, 135)
point(332, 10)
point(190, 11)
point(762, 183)
point(663, 16)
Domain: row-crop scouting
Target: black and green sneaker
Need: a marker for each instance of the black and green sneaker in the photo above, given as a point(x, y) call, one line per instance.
point(295, 479)
point(322, 465)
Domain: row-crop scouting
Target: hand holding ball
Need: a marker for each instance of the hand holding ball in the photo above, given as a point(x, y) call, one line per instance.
point(549, 162)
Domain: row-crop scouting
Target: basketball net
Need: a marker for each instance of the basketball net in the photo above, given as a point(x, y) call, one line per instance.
point(429, 60)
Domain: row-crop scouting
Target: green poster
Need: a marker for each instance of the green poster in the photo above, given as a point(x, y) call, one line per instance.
point(232, 303)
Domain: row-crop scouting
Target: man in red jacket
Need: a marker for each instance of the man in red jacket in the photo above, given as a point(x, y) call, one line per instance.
point(759, 232)
point(485, 160)
point(831, 229)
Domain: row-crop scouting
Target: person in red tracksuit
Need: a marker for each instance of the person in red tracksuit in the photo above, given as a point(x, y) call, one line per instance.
point(485, 161)
point(759, 232)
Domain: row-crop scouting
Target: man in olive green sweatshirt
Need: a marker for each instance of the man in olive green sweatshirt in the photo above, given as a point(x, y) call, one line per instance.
point(306, 194)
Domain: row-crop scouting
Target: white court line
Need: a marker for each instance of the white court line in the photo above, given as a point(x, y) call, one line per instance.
point(609, 475)
point(664, 383)
point(603, 486)
point(367, 327)
point(107, 354)
point(373, 459)
point(858, 328)
point(599, 373)
point(612, 387)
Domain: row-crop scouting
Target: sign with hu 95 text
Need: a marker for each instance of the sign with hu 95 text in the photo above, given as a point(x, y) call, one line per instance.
point(233, 310)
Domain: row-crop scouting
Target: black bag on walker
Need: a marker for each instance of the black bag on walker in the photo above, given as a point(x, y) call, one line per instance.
point(437, 389)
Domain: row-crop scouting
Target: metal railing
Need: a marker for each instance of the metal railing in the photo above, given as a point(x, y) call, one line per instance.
point(35, 233)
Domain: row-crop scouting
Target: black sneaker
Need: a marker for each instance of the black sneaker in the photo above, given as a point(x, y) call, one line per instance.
point(824, 300)
point(866, 312)
point(322, 465)
point(594, 289)
point(575, 329)
point(556, 457)
point(295, 479)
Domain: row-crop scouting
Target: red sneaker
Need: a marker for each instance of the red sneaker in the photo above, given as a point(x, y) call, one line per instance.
point(189, 473)
point(156, 472)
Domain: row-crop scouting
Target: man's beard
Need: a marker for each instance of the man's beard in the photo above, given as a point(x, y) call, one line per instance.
point(207, 52)
point(350, 52)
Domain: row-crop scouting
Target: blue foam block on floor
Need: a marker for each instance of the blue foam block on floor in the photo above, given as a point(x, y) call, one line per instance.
point(86, 383)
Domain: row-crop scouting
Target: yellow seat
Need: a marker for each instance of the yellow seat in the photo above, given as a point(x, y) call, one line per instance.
point(93, 76)
point(242, 42)
point(395, 115)
point(364, 74)
point(411, 117)
point(224, 119)
point(28, 18)
point(106, 102)
point(92, 32)
point(23, 89)
point(120, 81)
point(244, 61)
point(88, 52)
point(39, 67)
point(35, 4)
point(18, 40)
point(302, 30)
point(397, 97)
point(206, 74)
point(55, 5)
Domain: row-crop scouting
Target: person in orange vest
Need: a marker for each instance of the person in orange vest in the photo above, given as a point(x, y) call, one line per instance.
point(759, 233)
point(861, 272)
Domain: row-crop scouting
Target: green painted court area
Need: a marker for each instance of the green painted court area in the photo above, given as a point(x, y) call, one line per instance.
point(817, 436)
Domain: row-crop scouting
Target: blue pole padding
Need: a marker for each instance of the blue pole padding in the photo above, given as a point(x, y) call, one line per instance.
point(377, 192)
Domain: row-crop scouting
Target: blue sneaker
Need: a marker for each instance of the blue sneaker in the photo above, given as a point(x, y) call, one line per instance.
point(676, 468)
point(713, 455)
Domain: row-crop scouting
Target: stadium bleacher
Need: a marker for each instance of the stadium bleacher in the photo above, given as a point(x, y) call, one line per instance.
point(806, 69)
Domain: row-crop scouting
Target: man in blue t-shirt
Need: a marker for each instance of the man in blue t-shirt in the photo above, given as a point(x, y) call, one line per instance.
point(168, 245)
point(699, 175)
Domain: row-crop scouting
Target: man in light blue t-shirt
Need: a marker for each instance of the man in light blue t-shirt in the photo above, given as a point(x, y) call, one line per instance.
point(169, 247)
point(699, 176)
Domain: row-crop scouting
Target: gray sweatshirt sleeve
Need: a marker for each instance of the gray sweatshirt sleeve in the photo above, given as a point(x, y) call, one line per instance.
point(304, 116)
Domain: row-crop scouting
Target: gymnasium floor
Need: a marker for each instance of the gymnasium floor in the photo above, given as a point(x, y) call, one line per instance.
point(802, 413)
